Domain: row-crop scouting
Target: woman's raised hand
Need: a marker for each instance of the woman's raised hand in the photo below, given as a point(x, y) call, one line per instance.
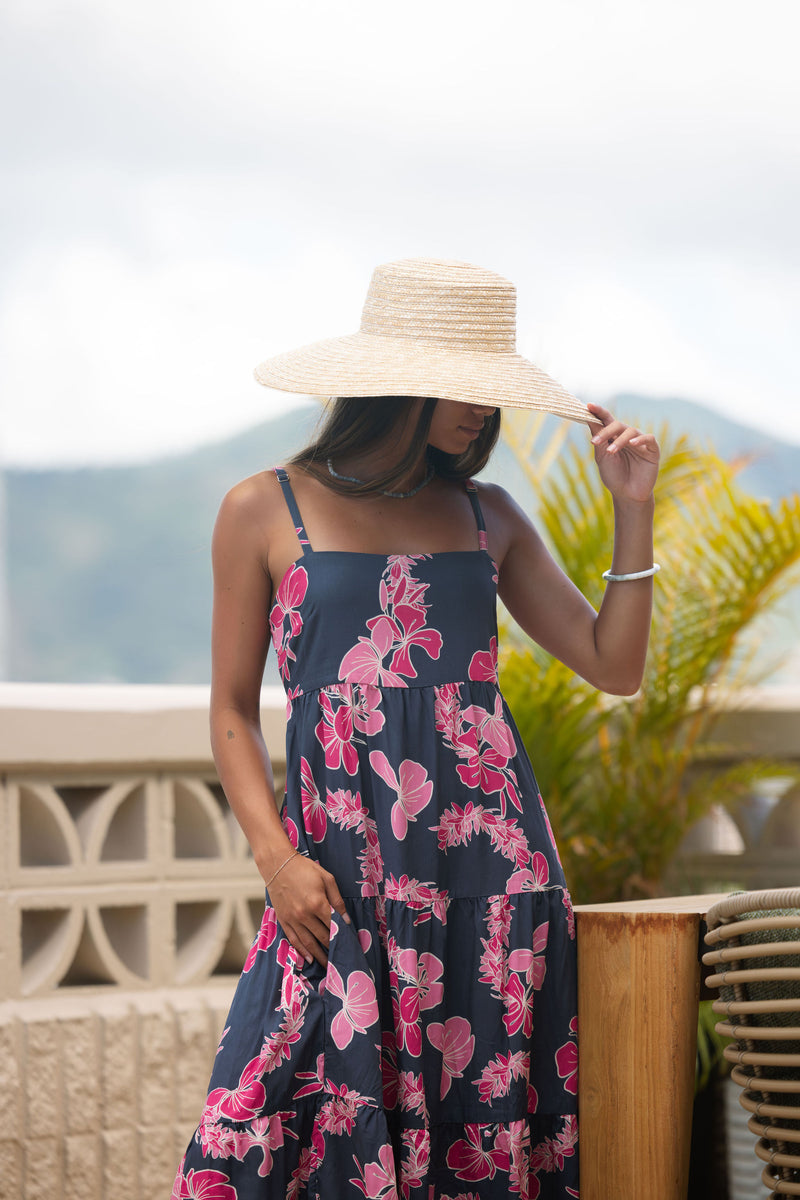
point(303, 895)
point(626, 458)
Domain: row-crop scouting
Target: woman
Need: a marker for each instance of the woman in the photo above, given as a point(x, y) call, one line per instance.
point(405, 1024)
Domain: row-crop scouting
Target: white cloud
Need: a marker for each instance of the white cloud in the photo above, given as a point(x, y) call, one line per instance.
point(192, 188)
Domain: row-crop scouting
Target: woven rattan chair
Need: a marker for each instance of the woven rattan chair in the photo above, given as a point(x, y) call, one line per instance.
point(755, 956)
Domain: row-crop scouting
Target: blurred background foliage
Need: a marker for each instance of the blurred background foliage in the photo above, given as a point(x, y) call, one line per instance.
point(625, 778)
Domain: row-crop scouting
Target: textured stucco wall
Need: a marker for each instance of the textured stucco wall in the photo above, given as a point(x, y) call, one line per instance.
point(105, 1090)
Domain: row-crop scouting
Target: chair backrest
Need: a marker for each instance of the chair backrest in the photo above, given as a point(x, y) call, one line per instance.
point(755, 957)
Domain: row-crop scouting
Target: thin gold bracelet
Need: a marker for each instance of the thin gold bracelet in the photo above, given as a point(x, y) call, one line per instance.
point(280, 868)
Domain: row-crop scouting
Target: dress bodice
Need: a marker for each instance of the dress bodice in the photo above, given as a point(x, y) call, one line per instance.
point(398, 620)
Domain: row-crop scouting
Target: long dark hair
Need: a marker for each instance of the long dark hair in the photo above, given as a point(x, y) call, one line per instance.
point(358, 424)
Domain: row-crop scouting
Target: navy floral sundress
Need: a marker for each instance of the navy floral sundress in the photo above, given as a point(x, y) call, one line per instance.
point(436, 1057)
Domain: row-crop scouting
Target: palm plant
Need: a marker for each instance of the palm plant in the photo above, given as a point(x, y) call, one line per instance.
point(624, 779)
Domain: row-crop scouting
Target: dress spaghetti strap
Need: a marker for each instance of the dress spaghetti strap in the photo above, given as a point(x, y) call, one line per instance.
point(472, 492)
point(291, 504)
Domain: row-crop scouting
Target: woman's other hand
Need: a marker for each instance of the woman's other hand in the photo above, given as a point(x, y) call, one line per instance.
point(626, 458)
point(303, 894)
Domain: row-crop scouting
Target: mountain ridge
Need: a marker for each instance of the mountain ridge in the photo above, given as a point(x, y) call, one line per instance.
point(109, 567)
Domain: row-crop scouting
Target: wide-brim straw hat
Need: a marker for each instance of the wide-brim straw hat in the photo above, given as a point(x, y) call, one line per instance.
point(429, 328)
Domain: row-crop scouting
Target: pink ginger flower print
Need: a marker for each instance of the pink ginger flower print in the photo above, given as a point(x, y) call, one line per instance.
point(315, 818)
point(447, 710)
point(456, 1042)
point(471, 1161)
point(285, 619)
point(339, 1114)
point(359, 1004)
point(498, 1075)
point(203, 1185)
point(411, 1093)
point(457, 825)
point(550, 1154)
point(416, 1158)
point(422, 896)
point(264, 938)
point(414, 789)
point(483, 664)
point(335, 734)
point(377, 1180)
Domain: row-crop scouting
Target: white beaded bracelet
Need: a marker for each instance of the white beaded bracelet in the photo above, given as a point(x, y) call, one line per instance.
point(632, 574)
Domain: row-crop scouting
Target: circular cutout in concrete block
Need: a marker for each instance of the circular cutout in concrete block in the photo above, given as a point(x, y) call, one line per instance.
point(125, 835)
point(199, 830)
point(47, 837)
point(89, 966)
point(49, 937)
point(126, 928)
point(201, 932)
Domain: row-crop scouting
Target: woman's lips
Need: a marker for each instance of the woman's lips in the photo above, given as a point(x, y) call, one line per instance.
point(471, 430)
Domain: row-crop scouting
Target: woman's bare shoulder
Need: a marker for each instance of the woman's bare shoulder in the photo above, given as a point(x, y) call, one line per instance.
point(251, 512)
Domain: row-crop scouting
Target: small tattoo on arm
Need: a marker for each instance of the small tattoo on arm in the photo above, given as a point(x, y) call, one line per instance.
point(231, 735)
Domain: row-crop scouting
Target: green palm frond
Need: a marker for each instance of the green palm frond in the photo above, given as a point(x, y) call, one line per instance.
point(623, 778)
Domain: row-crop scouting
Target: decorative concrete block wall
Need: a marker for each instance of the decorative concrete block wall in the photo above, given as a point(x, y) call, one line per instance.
point(129, 902)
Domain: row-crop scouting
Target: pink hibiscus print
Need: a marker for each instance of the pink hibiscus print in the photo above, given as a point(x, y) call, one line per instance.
point(363, 663)
point(288, 599)
point(483, 664)
point(531, 963)
point(492, 727)
point(411, 620)
point(264, 938)
point(530, 879)
point(405, 1006)
point(335, 734)
point(359, 1004)
point(315, 818)
point(203, 1185)
point(567, 1066)
point(414, 789)
point(471, 1162)
point(377, 1179)
point(425, 970)
point(456, 1042)
point(242, 1102)
point(364, 700)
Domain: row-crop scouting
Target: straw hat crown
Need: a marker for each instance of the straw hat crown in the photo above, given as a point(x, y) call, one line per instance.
point(449, 304)
point(430, 327)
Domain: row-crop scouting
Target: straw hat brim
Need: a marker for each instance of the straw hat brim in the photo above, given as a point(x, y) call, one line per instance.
point(364, 364)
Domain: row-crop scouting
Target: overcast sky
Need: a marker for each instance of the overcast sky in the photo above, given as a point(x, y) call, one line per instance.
point(189, 187)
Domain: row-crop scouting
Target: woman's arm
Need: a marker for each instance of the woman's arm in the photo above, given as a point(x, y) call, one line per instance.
point(607, 648)
point(302, 894)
